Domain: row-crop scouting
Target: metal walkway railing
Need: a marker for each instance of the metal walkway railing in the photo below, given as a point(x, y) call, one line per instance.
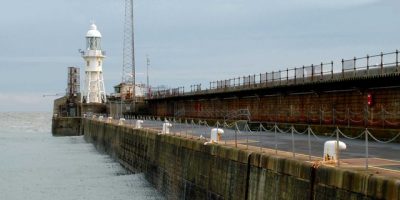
point(369, 66)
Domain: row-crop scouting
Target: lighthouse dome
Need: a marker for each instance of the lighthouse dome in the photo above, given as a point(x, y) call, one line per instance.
point(93, 32)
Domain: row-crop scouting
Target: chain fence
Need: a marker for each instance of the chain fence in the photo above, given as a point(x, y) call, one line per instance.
point(263, 137)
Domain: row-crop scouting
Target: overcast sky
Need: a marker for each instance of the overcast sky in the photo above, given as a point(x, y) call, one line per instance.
point(188, 41)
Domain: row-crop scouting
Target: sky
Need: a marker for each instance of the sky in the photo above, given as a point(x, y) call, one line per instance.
point(188, 42)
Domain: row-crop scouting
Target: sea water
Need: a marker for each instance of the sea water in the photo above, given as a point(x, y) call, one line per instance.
point(37, 166)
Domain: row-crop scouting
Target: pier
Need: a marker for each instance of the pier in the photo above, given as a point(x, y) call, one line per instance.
point(182, 166)
point(273, 130)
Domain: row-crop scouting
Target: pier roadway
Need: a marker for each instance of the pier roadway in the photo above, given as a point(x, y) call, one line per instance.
point(383, 157)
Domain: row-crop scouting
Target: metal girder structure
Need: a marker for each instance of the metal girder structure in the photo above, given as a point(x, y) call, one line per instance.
point(128, 68)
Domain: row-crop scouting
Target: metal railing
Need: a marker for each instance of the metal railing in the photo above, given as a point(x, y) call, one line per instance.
point(374, 65)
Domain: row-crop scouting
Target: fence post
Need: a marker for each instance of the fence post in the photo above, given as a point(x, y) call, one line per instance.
point(322, 71)
point(354, 66)
point(367, 64)
point(186, 128)
point(309, 142)
point(192, 122)
point(247, 136)
point(261, 150)
point(342, 68)
point(276, 140)
point(366, 132)
point(381, 63)
point(236, 127)
point(312, 72)
point(294, 154)
point(287, 76)
point(280, 78)
point(337, 146)
point(397, 60)
point(303, 74)
point(331, 69)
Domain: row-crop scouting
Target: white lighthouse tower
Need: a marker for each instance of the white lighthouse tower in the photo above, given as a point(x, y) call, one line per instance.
point(93, 91)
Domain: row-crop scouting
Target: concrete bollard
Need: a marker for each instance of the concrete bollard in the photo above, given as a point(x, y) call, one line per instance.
point(330, 151)
point(101, 118)
point(165, 128)
point(109, 120)
point(216, 134)
point(138, 123)
point(121, 121)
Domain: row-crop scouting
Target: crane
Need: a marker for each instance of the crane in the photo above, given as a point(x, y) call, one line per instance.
point(53, 95)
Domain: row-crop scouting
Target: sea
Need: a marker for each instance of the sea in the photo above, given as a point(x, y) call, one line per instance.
point(35, 165)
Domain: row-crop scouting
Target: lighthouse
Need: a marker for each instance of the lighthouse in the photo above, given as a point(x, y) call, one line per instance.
point(93, 91)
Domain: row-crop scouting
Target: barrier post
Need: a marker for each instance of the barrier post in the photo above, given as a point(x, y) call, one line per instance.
point(186, 128)
point(236, 127)
point(247, 136)
point(261, 150)
point(397, 60)
point(276, 140)
point(294, 154)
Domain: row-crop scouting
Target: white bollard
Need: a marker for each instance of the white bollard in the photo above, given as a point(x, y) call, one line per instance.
point(138, 123)
point(121, 121)
point(165, 127)
point(330, 153)
point(101, 118)
point(216, 134)
point(109, 119)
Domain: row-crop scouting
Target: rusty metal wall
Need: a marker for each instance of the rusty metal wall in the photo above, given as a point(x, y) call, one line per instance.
point(345, 105)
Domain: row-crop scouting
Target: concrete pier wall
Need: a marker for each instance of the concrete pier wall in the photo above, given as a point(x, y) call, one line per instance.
point(183, 168)
point(66, 126)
